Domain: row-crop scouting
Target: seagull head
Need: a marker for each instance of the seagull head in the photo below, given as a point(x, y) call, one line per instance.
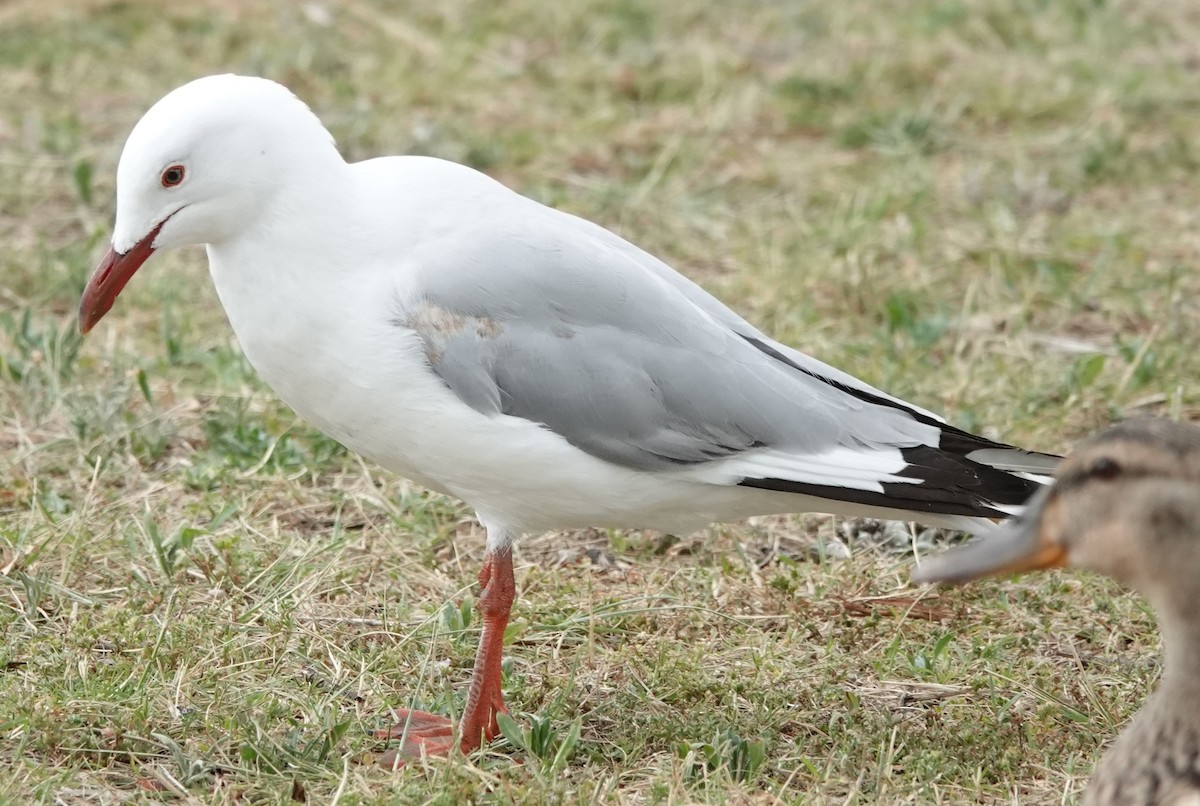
point(201, 167)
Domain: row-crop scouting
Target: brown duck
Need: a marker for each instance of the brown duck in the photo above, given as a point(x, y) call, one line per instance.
point(1126, 503)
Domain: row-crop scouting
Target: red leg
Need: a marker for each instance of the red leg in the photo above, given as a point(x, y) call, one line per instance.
point(432, 735)
point(485, 698)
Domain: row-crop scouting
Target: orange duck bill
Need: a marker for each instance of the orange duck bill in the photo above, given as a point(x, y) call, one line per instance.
point(1020, 544)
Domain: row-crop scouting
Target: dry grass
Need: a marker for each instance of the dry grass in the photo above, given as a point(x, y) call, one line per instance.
point(988, 208)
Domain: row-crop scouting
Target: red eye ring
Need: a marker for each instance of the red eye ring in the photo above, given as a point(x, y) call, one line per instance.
point(173, 175)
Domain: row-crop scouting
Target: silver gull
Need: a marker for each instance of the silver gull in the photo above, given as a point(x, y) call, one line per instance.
point(535, 365)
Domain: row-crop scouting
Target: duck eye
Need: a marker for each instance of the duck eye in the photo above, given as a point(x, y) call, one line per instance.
point(1104, 469)
point(172, 176)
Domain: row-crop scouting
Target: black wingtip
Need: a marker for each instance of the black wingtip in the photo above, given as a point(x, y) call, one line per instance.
point(947, 481)
point(944, 483)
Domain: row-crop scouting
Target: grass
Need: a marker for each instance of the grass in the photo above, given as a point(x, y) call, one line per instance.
point(987, 208)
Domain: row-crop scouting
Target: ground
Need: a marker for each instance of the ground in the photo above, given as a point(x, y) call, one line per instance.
point(988, 208)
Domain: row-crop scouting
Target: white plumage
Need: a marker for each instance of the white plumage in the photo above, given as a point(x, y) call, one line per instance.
point(535, 365)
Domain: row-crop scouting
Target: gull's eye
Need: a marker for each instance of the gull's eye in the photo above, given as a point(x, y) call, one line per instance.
point(172, 176)
point(1104, 469)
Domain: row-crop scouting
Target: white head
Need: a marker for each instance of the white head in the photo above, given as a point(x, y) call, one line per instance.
point(199, 167)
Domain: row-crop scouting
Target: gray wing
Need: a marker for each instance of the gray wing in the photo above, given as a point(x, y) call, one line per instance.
point(589, 336)
point(633, 398)
point(577, 335)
